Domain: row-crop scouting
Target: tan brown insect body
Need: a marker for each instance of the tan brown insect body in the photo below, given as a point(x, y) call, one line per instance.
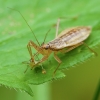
point(69, 39)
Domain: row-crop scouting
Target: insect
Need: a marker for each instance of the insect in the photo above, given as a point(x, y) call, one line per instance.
point(69, 38)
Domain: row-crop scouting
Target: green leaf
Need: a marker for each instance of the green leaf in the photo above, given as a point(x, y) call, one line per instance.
point(41, 15)
point(14, 80)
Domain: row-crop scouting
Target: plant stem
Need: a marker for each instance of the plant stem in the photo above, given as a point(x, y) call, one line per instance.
point(97, 93)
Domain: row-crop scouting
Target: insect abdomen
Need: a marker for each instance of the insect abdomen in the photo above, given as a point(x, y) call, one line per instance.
point(70, 38)
point(76, 36)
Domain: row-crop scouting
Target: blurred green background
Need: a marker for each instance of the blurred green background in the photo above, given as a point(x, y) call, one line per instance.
point(82, 80)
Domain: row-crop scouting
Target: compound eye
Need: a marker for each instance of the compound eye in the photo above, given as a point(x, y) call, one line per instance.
point(47, 47)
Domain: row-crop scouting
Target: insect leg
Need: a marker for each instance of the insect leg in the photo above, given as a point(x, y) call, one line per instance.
point(57, 27)
point(30, 52)
point(39, 50)
point(90, 49)
point(33, 62)
point(43, 59)
point(58, 22)
point(26, 69)
point(25, 62)
point(58, 60)
point(43, 70)
point(73, 47)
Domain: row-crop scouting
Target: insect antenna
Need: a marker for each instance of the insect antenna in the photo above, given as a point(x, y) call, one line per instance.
point(26, 23)
point(46, 36)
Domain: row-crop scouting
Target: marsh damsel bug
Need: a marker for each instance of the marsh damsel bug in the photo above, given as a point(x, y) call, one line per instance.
point(68, 39)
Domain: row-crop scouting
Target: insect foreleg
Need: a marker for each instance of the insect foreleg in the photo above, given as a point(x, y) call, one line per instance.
point(43, 70)
point(31, 43)
point(43, 59)
point(30, 52)
point(26, 69)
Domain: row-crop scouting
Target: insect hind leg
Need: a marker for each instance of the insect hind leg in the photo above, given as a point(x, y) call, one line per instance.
point(90, 49)
point(75, 46)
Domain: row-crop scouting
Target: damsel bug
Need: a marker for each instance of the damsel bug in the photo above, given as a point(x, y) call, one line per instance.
point(69, 39)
